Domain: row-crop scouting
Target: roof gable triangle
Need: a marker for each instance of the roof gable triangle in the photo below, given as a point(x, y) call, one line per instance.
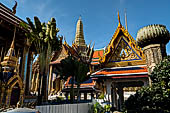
point(123, 52)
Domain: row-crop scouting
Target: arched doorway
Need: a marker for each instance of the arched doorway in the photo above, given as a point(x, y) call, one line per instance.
point(15, 95)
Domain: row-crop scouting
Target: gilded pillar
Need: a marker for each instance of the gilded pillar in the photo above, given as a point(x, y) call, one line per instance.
point(33, 81)
point(37, 82)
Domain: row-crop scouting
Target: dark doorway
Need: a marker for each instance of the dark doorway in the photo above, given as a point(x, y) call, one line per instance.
point(15, 95)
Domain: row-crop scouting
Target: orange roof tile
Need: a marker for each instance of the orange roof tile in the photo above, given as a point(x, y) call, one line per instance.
point(122, 72)
point(98, 53)
point(88, 84)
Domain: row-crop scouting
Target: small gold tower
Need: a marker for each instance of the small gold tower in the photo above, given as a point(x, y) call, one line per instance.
point(10, 60)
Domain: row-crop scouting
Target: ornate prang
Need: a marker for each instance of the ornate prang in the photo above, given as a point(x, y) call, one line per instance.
point(153, 40)
point(79, 38)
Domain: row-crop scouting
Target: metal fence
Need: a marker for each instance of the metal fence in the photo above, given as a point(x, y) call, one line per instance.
point(66, 108)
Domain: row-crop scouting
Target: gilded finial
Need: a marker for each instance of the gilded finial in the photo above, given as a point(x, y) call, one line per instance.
point(118, 17)
point(80, 17)
point(65, 41)
point(14, 8)
point(12, 44)
point(119, 20)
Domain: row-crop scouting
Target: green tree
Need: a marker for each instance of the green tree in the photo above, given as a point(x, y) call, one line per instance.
point(155, 98)
point(77, 70)
point(43, 37)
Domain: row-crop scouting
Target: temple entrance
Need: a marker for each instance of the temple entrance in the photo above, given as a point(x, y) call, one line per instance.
point(15, 95)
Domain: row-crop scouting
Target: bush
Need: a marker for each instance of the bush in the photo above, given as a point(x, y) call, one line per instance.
point(97, 108)
point(155, 98)
point(101, 96)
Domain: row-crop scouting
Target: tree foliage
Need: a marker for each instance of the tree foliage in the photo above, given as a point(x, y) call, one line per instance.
point(43, 37)
point(71, 67)
point(77, 70)
point(155, 98)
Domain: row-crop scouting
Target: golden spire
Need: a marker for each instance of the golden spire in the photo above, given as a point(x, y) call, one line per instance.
point(12, 44)
point(79, 38)
point(119, 19)
point(10, 60)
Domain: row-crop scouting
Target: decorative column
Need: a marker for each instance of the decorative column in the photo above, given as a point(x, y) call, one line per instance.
point(121, 97)
point(85, 96)
point(92, 95)
point(108, 89)
point(153, 40)
point(115, 104)
point(23, 62)
point(37, 82)
point(28, 73)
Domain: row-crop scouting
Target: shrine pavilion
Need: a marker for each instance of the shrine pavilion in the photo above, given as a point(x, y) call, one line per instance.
point(121, 67)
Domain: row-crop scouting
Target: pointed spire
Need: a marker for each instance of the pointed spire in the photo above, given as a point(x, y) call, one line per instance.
point(119, 19)
point(12, 44)
point(79, 38)
point(10, 60)
point(80, 17)
point(11, 51)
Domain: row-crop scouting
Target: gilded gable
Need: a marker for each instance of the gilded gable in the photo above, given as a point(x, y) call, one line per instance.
point(122, 50)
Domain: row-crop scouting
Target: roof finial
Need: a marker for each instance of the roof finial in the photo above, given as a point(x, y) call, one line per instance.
point(14, 8)
point(118, 17)
point(65, 40)
point(80, 17)
point(12, 44)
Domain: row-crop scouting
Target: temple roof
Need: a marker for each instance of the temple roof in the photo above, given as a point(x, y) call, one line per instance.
point(63, 53)
point(86, 84)
point(96, 56)
point(8, 23)
point(122, 48)
point(6, 14)
point(122, 72)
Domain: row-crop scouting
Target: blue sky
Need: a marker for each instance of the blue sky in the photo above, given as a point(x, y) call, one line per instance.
point(99, 16)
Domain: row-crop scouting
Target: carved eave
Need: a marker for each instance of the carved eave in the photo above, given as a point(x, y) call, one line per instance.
point(121, 31)
point(65, 51)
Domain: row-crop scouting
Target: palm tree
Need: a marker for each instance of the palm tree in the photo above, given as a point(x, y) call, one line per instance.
point(44, 38)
